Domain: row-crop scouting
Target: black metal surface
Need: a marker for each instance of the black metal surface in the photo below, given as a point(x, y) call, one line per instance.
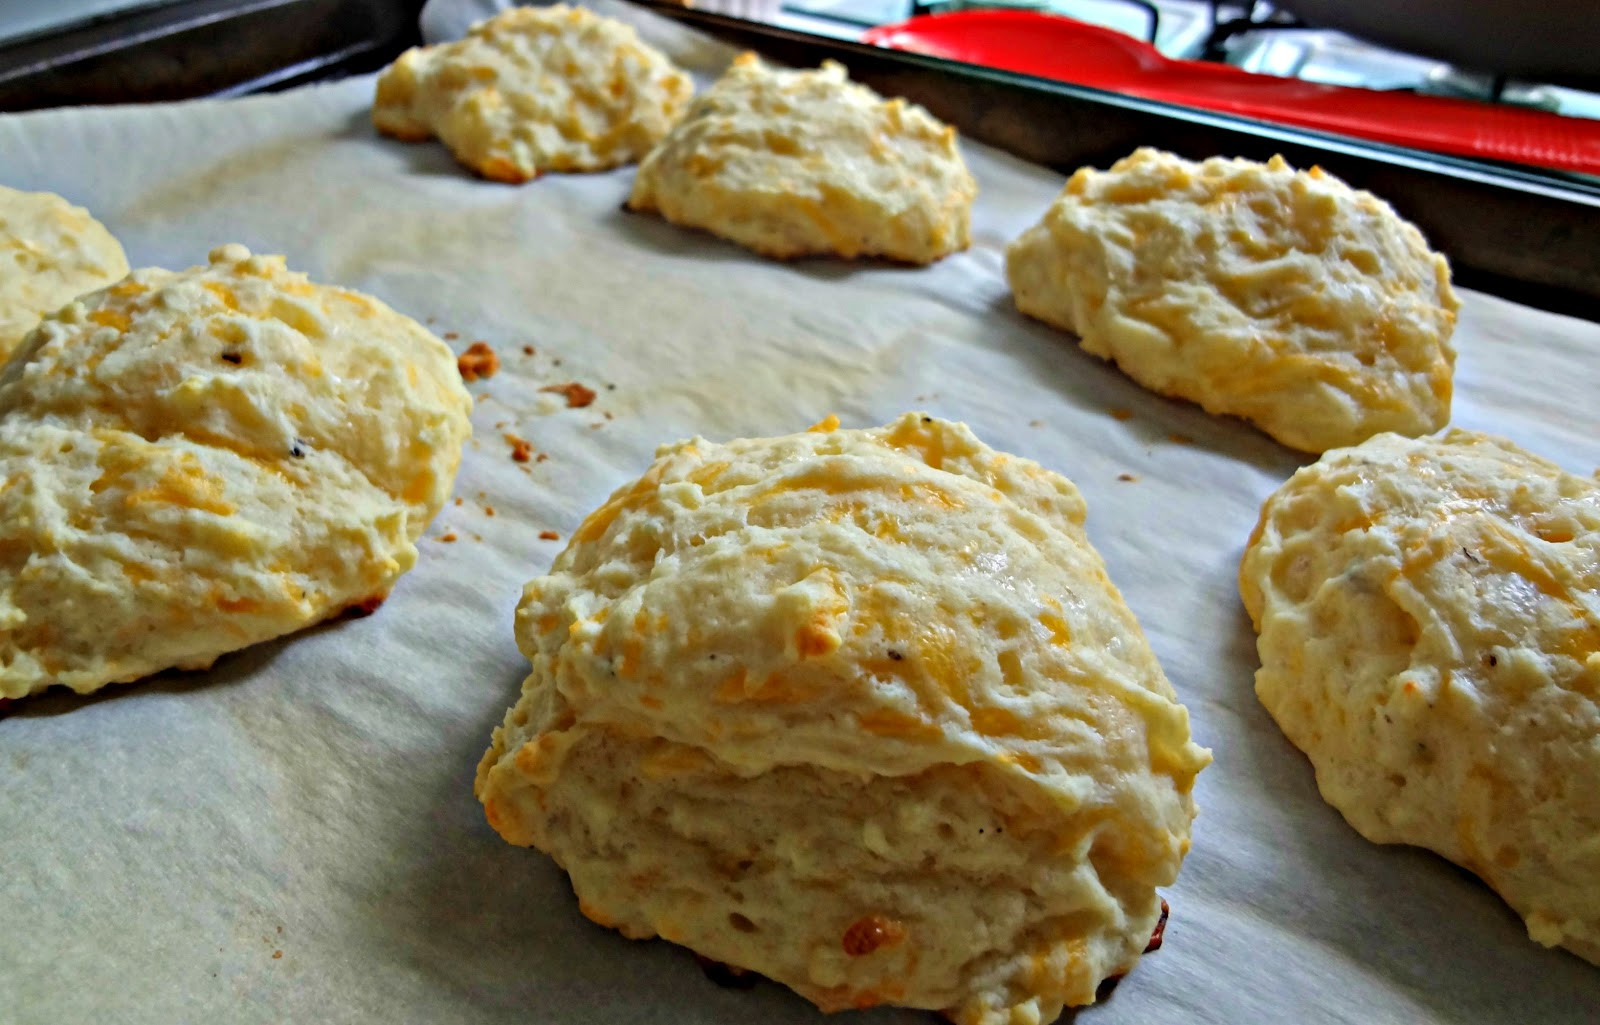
point(1530, 235)
point(203, 48)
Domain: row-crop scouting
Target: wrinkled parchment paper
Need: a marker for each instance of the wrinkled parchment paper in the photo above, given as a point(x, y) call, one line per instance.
point(292, 837)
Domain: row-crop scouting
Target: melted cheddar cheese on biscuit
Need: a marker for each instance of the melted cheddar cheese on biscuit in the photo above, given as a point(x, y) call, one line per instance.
point(1429, 620)
point(858, 710)
point(1284, 297)
point(193, 462)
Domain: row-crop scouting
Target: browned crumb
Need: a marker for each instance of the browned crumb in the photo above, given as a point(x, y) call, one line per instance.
point(277, 955)
point(451, 336)
point(488, 510)
point(528, 350)
point(521, 448)
point(1160, 930)
point(449, 538)
point(458, 501)
point(484, 397)
point(1126, 476)
point(479, 361)
point(541, 457)
point(607, 415)
point(577, 395)
point(1121, 414)
point(1180, 439)
point(549, 535)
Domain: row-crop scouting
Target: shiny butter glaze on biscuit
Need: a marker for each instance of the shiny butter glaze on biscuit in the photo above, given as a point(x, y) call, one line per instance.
point(799, 163)
point(1429, 620)
point(858, 710)
point(193, 462)
point(1287, 298)
point(535, 89)
point(50, 253)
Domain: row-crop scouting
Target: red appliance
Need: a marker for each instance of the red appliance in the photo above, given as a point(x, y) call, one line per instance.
point(1051, 46)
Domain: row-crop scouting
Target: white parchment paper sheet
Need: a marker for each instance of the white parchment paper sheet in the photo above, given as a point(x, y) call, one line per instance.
point(292, 836)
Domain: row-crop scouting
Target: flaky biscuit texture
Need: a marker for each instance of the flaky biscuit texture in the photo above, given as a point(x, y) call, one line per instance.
point(193, 462)
point(535, 89)
point(51, 252)
point(800, 163)
point(1284, 297)
point(858, 710)
point(1429, 620)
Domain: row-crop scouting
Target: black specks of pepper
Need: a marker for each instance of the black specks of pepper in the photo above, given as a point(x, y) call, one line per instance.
point(298, 448)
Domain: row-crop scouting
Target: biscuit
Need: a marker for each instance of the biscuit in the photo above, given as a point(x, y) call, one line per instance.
point(193, 462)
point(858, 710)
point(799, 163)
point(1429, 620)
point(1284, 297)
point(50, 253)
point(535, 89)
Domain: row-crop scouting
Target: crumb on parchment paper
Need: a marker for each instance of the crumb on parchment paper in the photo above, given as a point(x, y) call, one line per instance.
point(521, 448)
point(576, 394)
point(478, 362)
point(549, 535)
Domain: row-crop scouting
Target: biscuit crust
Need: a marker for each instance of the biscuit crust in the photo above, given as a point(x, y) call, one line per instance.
point(194, 462)
point(1429, 620)
point(50, 253)
point(535, 89)
point(858, 710)
point(1281, 296)
point(807, 163)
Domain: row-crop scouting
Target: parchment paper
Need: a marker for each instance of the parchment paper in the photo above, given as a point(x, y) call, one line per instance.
point(292, 836)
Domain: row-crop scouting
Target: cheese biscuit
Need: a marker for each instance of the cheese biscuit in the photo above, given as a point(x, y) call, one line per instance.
point(193, 462)
point(801, 163)
point(50, 253)
point(858, 710)
point(1429, 620)
point(1284, 297)
point(535, 89)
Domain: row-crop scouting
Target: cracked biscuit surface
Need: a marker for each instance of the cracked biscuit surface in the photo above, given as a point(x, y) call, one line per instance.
point(50, 253)
point(1429, 621)
point(535, 89)
point(858, 710)
point(1284, 297)
point(801, 163)
point(193, 462)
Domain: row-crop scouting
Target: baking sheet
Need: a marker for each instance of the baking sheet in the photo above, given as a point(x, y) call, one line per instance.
point(292, 836)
